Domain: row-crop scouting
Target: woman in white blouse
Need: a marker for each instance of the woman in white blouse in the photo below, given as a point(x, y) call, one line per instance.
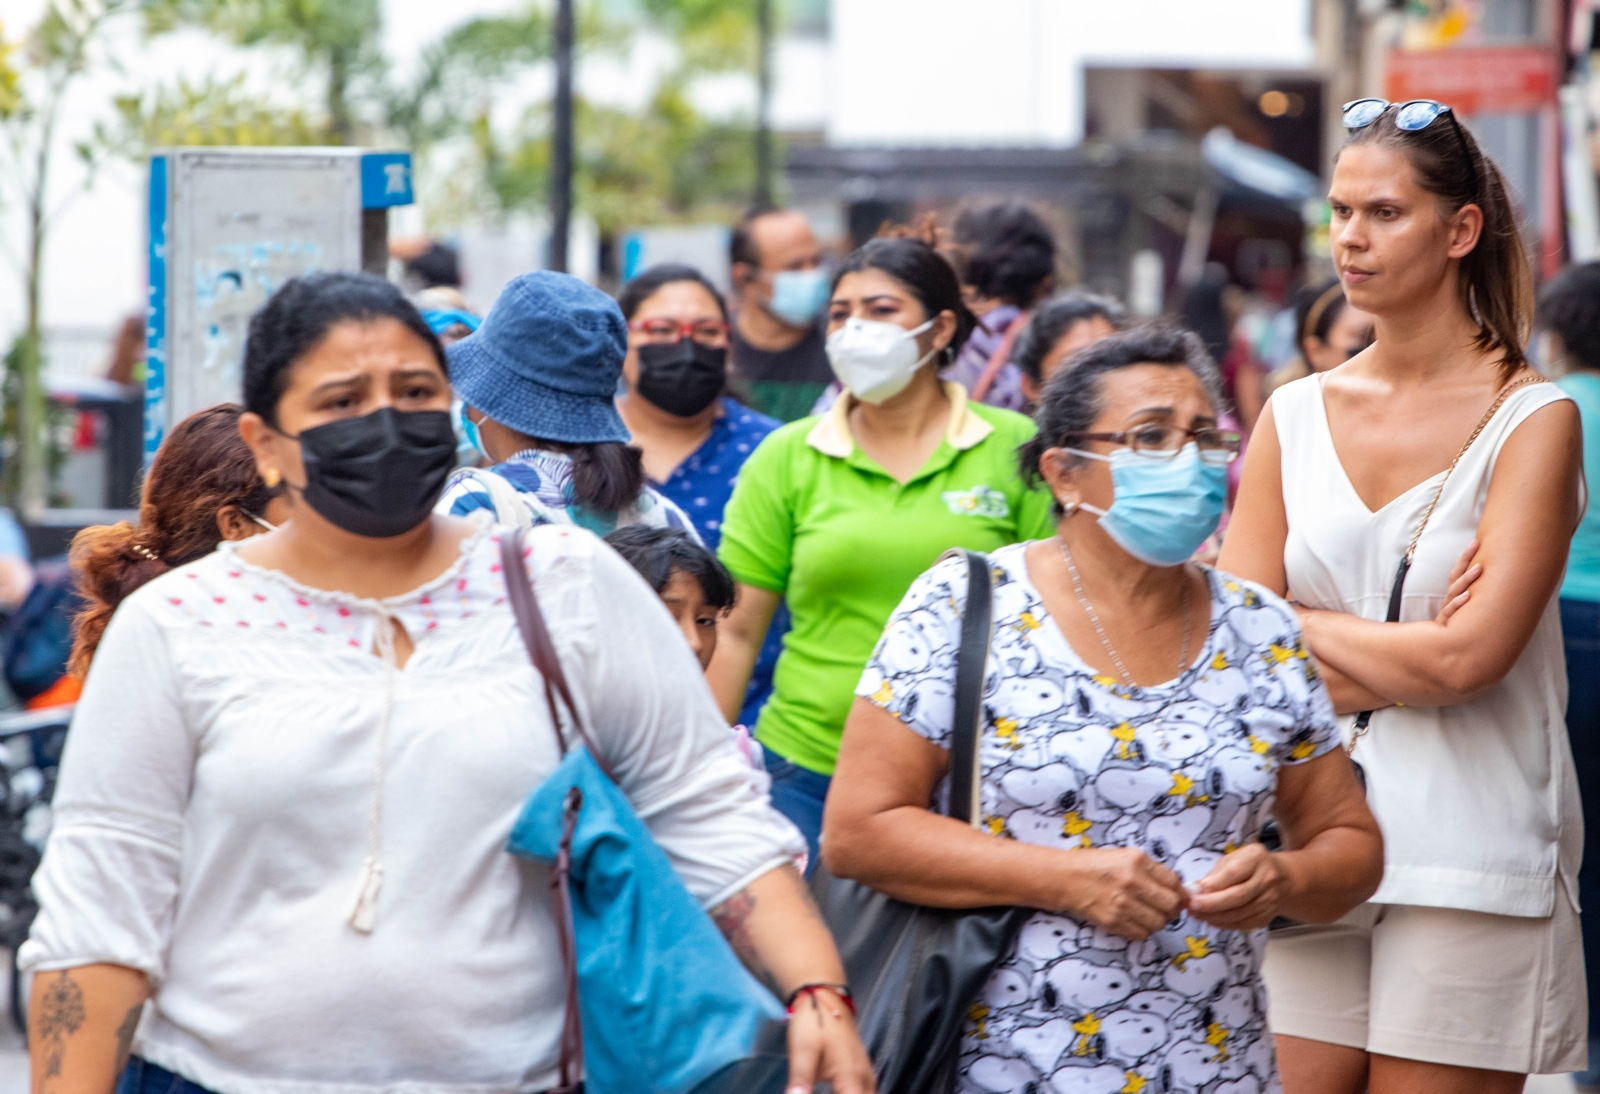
point(279, 860)
point(1464, 972)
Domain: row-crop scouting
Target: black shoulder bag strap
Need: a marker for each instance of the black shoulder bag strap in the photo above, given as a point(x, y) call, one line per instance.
point(967, 719)
point(1396, 597)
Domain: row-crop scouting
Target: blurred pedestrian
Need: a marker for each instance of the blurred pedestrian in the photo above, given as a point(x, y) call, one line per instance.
point(1212, 308)
point(1059, 328)
point(838, 514)
point(1008, 259)
point(1329, 332)
point(1569, 310)
point(695, 438)
point(538, 383)
point(775, 264)
point(446, 312)
point(202, 488)
point(1442, 447)
point(1141, 715)
point(279, 855)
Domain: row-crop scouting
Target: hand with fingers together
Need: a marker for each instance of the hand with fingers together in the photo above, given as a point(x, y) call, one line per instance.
point(1122, 890)
point(1244, 890)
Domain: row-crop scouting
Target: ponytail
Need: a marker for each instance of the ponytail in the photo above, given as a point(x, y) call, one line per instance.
point(607, 477)
point(1496, 282)
point(110, 563)
point(202, 466)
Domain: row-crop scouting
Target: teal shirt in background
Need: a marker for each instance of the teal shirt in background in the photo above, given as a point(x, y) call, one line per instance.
point(1583, 565)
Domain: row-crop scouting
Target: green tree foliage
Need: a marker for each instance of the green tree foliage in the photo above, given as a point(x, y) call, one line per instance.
point(53, 55)
point(212, 112)
point(662, 164)
point(336, 39)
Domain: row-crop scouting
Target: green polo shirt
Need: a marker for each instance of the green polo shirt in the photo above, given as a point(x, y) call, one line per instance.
point(814, 519)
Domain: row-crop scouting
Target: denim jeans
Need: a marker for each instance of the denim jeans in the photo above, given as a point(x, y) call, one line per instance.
point(798, 793)
point(143, 1077)
point(1580, 631)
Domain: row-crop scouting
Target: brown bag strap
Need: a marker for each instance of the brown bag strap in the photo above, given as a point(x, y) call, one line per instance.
point(536, 637)
point(542, 652)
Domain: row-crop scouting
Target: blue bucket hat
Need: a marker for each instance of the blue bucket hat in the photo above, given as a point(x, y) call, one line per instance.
point(546, 361)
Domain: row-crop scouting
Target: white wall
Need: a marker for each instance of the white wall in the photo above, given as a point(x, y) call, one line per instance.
point(1010, 72)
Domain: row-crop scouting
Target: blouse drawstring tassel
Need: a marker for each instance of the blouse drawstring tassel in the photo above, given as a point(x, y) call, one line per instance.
point(365, 913)
point(364, 916)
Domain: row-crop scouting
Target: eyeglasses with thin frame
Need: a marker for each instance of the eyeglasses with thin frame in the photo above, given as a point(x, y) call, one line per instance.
point(1412, 116)
point(1165, 441)
point(708, 332)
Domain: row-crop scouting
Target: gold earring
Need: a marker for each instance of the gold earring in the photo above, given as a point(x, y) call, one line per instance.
point(272, 478)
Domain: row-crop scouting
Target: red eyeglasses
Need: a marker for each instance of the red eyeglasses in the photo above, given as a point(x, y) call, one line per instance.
point(708, 332)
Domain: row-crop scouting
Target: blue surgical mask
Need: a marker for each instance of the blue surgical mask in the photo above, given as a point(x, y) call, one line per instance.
point(798, 295)
point(469, 429)
point(1165, 507)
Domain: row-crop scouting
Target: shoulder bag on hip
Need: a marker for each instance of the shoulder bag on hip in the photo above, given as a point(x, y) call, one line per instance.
point(914, 971)
point(656, 1000)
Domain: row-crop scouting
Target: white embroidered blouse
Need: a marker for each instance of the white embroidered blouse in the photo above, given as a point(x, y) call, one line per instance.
point(229, 775)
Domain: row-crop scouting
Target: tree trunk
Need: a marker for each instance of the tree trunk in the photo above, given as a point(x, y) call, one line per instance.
point(340, 127)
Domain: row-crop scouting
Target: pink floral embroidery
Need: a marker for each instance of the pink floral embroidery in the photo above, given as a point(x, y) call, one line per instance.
point(344, 613)
point(495, 568)
point(261, 598)
point(354, 643)
point(302, 601)
point(175, 599)
point(461, 584)
point(219, 599)
point(244, 622)
point(234, 573)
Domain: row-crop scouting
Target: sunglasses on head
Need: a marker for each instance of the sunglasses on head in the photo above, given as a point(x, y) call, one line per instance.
point(1412, 116)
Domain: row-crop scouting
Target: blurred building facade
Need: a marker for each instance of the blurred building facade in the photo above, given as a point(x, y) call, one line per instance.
point(1100, 114)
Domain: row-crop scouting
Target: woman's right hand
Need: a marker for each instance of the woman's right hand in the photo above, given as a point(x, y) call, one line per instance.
point(1121, 890)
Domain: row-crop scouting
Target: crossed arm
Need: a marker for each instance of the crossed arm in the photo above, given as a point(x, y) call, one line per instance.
point(1513, 570)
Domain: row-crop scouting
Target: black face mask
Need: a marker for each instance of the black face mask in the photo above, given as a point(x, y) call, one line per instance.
point(682, 378)
point(378, 475)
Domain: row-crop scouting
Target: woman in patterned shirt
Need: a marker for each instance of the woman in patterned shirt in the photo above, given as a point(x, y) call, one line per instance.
point(1143, 716)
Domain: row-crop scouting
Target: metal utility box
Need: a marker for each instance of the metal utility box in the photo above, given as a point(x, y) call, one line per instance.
point(228, 226)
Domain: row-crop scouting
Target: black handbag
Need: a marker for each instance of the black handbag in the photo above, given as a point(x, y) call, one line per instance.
point(914, 971)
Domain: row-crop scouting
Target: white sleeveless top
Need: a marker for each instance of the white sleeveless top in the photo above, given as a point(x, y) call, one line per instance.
point(1478, 802)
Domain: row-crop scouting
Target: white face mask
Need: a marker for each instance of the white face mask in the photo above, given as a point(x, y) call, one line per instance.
point(875, 361)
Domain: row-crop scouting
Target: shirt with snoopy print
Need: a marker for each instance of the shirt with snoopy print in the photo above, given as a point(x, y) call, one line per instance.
point(1185, 771)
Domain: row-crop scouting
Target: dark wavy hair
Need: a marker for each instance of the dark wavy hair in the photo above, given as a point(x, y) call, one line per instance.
point(1053, 319)
point(1008, 251)
point(202, 466)
point(925, 274)
point(302, 312)
point(1496, 285)
point(1073, 398)
point(658, 553)
point(651, 281)
point(1570, 306)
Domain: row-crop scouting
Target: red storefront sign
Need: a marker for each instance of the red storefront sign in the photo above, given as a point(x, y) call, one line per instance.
point(1486, 79)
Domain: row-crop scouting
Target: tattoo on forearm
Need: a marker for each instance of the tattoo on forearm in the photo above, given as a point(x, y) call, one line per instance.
point(125, 1035)
point(61, 1013)
point(732, 917)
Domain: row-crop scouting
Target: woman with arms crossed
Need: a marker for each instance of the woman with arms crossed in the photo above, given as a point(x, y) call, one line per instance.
point(1464, 972)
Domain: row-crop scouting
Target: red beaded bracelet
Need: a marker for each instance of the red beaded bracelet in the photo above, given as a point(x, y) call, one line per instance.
point(806, 989)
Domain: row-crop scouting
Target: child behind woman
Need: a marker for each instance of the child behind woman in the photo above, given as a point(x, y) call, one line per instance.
point(696, 588)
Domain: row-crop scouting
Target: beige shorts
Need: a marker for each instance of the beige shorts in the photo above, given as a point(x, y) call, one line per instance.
point(1437, 984)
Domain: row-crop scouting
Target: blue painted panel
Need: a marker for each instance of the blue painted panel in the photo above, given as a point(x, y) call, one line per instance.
point(155, 361)
point(386, 180)
point(632, 253)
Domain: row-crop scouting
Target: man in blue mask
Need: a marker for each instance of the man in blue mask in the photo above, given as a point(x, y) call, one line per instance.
point(781, 290)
